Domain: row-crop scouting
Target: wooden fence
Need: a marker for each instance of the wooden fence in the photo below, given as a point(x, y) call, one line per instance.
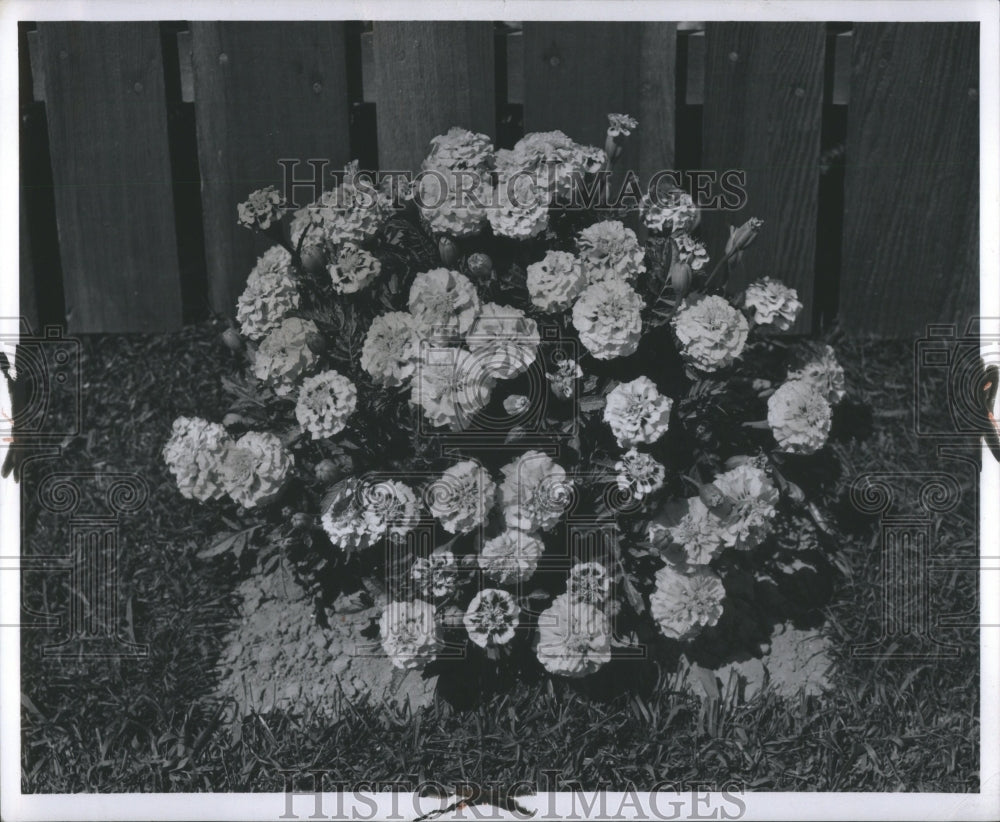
point(859, 142)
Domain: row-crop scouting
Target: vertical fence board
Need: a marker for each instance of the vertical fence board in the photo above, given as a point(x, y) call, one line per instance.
point(910, 248)
point(431, 76)
point(107, 125)
point(657, 99)
point(763, 115)
point(576, 73)
point(27, 301)
point(263, 92)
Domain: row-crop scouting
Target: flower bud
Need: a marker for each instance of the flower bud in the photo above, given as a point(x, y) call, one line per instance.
point(515, 404)
point(480, 266)
point(680, 278)
point(232, 340)
point(316, 342)
point(330, 470)
point(449, 251)
point(737, 461)
point(230, 420)
point(313, 259)
point(301, 521)
point(716, 502)
point(740, 239)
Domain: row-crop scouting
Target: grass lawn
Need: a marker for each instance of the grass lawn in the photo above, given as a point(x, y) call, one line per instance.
point(151, 725)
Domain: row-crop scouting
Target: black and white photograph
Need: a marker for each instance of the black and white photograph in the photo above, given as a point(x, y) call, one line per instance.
point(498, 410)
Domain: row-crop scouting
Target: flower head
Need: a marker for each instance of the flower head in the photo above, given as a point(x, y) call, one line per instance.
point(799, 416)
point(453, 202)
point(391, 348)
point(460, 150)
point(555, 281)
point(699, 533)
point(284, 355)
point(690, 251)
point(773, 303)
point(351, 212)
point(639, 474)
point(608, 318)
point(621, 124)
point(353, 270)
point(444, 302)
point(255, 467)
point(610, 251)
point(511, 557)
point(325, 402)
point(270, 294)
point(261, 209)
point(673, 213)
point(562, 381)
point(637, 412)
point(753, 498)
point(824, 373)
point(193, 454)
point(389, 508)
point(434, 576)
point(574, 638)
point(462, 497)
point(535, 492)
point(504, 341)
point(710, 331)
point(685, 603)
point(519, 208)
point(451, 386)
point(492, 617)
point(589, 582)
point(409, 633)
point(556, 160)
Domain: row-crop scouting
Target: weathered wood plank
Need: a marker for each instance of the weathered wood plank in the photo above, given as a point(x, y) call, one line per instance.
point(263, 92)
point(763, 115)
point(431, 76)
point(111, 170)
point(657, 99)
point(577, 73)
point(910, 247)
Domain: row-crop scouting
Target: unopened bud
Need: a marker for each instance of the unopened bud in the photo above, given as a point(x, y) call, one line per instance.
point(737, 461)
point(313, 259)
point(301, 521)
point(716, 502)
point(680, 278)
point(329, 471)
point(232, 339)
point(740, 239)
point(231, 420)
point(316, 342)
point(480, 266)
point(449, 251)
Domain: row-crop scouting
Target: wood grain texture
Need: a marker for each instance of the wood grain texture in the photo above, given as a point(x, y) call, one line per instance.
point(27, 299)
point(107, 126)
point(263, 92)
point(657, 99)
point(429, 77)
point(911, 221)
point(578, 73)
point(763, 115)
